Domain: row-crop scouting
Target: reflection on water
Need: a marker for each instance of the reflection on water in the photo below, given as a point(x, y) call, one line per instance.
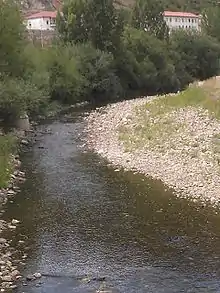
point(82, 218)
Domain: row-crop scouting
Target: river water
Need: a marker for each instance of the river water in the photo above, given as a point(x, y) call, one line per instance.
point(82, 220)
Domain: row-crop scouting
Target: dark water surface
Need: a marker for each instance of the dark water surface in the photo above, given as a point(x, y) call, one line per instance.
point(80, 217)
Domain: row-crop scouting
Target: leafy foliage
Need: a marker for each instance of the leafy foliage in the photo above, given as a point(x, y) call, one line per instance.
point(199, 54)
point(148, 15)
point(11, 39)
point(95, 21)
point(82, 72)
point(210, 22)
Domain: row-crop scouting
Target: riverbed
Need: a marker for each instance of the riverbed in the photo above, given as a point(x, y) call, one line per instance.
point(90, 228)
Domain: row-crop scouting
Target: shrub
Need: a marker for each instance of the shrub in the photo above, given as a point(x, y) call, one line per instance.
point(80, 72)
point(18, 96)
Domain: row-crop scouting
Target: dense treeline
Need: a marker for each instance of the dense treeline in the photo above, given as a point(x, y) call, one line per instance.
point(196, 6)
point(102, 54)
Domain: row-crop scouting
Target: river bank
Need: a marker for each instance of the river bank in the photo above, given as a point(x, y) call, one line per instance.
point(10, 179)
point(172, 138)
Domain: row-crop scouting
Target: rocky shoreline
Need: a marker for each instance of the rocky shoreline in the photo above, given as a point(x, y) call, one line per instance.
point(10, 259)
point(185, 161)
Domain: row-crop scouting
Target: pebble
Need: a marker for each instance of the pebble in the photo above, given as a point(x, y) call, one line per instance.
point(30, 278)
point(14, 222)
point(3, 240)
point(8, 270)
point(37, 275)
point(7, 278)
point(170, 158)
point(24, 142)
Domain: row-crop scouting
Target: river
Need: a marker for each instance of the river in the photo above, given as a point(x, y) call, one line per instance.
point(82, 220)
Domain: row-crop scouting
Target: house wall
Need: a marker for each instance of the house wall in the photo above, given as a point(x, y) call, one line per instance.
point(182, 22)
point(46, 23)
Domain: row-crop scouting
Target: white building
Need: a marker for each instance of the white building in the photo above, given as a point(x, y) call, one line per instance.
point(182, 20)
point(43, 20)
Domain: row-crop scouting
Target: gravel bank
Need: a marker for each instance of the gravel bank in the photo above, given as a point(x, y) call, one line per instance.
point(10, 259)
point(186, 159)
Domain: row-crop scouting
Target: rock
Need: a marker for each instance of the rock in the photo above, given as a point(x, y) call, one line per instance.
point(37, 275)
point(13, 286)
point(14, 222)
point(11, 192)
point(99, 279)
point(7, 278)
point(15, 273)
point(30, 278)
point(11, 227)
point(3, 240)
point(24, 142)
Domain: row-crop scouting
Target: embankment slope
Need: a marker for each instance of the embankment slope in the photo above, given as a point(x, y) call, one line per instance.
point(173, 138)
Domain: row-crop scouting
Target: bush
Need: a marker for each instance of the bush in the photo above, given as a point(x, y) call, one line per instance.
point(80, 72)
point(198, 54)
point(144, 64)
point(18, 96)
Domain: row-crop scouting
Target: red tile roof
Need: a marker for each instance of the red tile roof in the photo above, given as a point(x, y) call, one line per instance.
point(43, 14)
point(180, 14)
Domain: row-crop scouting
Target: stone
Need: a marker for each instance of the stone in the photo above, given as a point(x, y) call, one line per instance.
point(11, 192)
point(30, 278)
point(37, 275)
point(99, 279)
point(2, 241)
point(15, 273)
point(24, 142)
point(11, 227)
point(7, 278)
point(14, 222)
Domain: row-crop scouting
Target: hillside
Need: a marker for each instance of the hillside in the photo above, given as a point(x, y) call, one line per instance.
point(175, 5)
point(31, 6)
point(178, 5)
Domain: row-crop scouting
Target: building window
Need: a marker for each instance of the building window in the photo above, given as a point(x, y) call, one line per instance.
point(182, 19)
point(47, 21)
point(53, 21)
point(170, 19)
point(192, 20)
point(175, 19)
point(189, 19)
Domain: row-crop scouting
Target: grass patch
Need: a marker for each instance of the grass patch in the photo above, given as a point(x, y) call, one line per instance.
point(153, 125)
point(206, 96)
point(7, 146)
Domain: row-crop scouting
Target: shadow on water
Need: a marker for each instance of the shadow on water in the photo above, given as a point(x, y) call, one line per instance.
point(80, 217)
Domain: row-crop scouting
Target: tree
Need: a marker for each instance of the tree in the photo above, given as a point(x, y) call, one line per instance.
point(94, 21)
point(73, 23)
point(148, 15)
point(199, 53)
point(143, 64)
point(81, 72)
point(210, 22)
point(11, 39)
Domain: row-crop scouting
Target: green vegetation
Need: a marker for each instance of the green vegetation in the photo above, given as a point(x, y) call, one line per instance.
point(178, 5)
point(102, 54)
point(7, 145)
point(156, 123)
point(205, 96)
